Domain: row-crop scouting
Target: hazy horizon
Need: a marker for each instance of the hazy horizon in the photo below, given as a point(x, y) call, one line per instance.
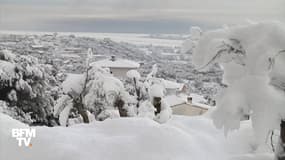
point(131, 16)
point(111, 26)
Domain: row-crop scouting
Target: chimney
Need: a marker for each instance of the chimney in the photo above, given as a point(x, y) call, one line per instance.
point(113, 58)
point(189, 100)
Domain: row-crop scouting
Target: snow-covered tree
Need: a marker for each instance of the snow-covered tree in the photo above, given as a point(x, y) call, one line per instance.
point(136, 87)
point(103, 93)
point(252, 58)
point(98, 93)
point(156, 91)
point(26, 86)
point(107, 92)
point(149, 94)
point(163, 112)
point(190, 44)
point(153, 72)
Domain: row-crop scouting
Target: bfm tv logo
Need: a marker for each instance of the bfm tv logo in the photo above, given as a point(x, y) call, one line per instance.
point(24, 136)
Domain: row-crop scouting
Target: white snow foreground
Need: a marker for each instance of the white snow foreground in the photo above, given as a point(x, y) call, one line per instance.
point(180, 138)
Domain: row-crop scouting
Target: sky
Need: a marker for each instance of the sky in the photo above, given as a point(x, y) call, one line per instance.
point(133, 16)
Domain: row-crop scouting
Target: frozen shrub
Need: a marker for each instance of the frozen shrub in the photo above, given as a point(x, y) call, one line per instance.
point(25, 86)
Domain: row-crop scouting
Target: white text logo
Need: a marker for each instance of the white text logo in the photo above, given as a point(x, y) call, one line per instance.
point(24, 136)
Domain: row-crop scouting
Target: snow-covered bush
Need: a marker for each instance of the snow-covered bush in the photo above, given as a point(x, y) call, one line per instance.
point(146, 109)
point(163, 112)
point(25, 86)
point(135, 87)
point(247, 54)
point(100, 93)
point(106, 92)
point(155, 102)
point(149, 95)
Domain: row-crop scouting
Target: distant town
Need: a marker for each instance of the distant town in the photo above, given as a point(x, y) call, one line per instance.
point(68, 53)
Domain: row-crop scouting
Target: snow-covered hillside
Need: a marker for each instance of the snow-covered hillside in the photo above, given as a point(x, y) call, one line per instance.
point(67, 51)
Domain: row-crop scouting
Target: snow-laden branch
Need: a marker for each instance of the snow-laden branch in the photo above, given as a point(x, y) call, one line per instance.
point(252, 56)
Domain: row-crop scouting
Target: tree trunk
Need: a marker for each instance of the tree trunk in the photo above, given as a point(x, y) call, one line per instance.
point(119, 103)
point(137, 93)
point(84, 115)
point(77, 103)
point(157, 104)
point(280, 153)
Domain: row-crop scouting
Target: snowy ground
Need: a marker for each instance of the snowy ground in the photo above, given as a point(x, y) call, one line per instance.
point(180, 138)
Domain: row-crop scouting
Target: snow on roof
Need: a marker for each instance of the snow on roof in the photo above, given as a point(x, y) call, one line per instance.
point(70, 55)
point(197, 101)
point(174, 100)
point(37, 46)
point(197, 98)
point(119, 63)
point(170, 54)
point(172, 85)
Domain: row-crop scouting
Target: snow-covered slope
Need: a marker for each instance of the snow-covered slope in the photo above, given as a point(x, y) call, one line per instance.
point(180, 138)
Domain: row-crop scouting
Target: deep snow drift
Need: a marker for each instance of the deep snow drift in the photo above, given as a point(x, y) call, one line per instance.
point(180, 138)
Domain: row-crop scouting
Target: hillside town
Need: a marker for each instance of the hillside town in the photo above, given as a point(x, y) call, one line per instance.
point(68, 53)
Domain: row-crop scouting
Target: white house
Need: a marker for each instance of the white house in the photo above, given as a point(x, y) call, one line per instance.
point(173, 88)
point(118, 67)
point(182, 105)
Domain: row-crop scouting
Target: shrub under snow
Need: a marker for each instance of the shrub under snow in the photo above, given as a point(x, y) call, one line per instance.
point(28, 88)
point(101, 94)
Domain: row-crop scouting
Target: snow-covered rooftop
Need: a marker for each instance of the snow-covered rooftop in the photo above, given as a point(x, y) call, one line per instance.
point(118, 63)
point(37, 46)
point(197, 100)
point(173, 100)
point(172, 85)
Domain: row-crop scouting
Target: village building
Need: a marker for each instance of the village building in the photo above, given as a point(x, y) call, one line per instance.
point(118, 67)
point(174, 88)
point(183, 105)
